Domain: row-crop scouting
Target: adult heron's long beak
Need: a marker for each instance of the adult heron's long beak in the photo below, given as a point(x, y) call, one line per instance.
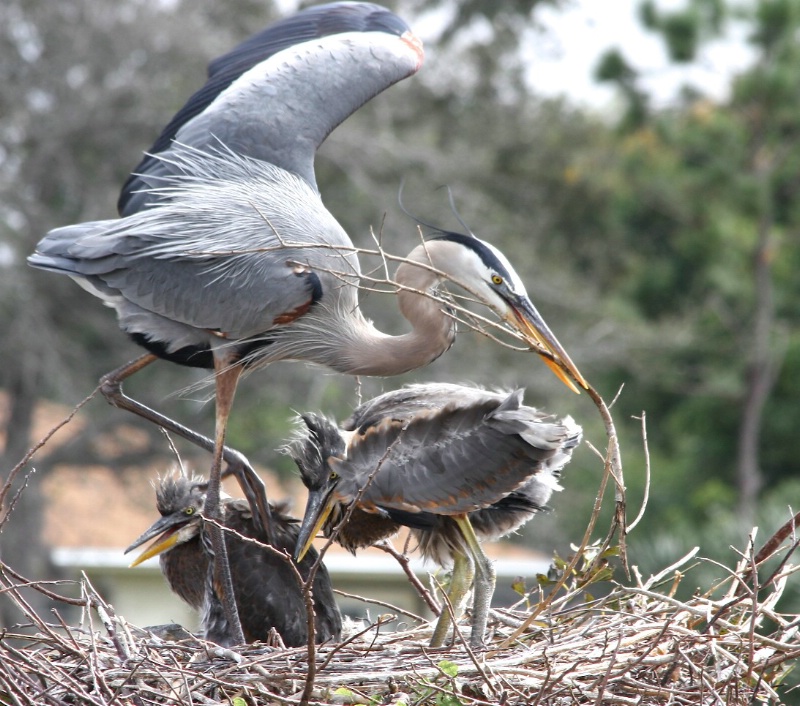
point(167, 527)
point(525, 319)
point(318, 509)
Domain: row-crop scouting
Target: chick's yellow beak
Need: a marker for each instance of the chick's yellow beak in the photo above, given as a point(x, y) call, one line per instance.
point(155, 549)
point(318, 510)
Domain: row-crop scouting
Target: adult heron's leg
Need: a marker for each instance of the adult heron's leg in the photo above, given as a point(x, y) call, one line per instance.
point(111, 387)
point(485, 579)
point(255, 492)
point(226, 377)
point(460, 582)
point(237, 465)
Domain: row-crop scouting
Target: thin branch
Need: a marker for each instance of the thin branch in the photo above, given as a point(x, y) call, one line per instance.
point(38, 445)
point(646, 497)
point(405, 564)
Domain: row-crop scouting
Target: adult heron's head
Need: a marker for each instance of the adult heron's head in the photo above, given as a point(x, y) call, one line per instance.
point(484, 271)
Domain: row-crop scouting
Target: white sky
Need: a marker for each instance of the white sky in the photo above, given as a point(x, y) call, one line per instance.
point(563, 57)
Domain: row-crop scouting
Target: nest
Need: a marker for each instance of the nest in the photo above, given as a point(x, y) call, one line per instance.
point(637, 644)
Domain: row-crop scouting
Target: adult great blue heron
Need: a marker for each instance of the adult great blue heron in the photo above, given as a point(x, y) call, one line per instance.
point(458, 464)
point(266, 590)
point(225, 257)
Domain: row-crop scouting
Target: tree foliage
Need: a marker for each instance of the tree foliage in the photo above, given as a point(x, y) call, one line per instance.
point(706, 200)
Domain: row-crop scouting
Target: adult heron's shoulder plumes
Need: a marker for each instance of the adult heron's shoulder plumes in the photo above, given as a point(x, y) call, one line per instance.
point(267, 593)
point(457, 464)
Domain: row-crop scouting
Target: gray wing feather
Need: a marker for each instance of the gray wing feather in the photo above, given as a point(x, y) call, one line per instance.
point(535, 427)
point(452, 460)
point(510, 513)
point(282, 109)
point(217, 255)
point(408, 401)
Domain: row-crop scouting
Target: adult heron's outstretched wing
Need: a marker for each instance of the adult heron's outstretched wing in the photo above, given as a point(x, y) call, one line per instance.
point(279, 94)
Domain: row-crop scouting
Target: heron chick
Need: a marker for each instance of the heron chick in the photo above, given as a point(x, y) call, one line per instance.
point(265, 586)
point(457, 464)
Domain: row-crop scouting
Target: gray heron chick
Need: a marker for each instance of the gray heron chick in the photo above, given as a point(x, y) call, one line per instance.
point(265, 587)
point(457, 464)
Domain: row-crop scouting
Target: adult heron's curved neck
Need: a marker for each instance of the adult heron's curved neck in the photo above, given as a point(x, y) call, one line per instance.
point(365, 350)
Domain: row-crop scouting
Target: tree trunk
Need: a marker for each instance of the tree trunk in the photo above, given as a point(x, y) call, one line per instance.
point(760, 375)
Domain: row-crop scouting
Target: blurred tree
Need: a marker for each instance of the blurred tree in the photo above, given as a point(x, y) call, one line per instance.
point(709, 224)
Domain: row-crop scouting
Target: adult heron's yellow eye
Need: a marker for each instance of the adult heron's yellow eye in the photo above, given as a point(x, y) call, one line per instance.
point(189, 511)
point(333, 476)
point(497, 279)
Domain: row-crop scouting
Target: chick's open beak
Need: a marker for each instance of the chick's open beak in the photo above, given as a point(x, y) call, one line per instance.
point(525, 319)
point(168, 528)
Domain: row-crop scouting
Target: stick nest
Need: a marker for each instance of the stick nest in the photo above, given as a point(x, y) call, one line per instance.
point(636, 645)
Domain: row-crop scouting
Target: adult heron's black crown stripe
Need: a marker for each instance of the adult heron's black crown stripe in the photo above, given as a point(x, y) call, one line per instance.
point(457, 464)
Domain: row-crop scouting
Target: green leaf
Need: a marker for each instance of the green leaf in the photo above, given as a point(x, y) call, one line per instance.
point(518, 586)
point(544, 580)
point(448, 700)
point(449, 668)
point(611, 551)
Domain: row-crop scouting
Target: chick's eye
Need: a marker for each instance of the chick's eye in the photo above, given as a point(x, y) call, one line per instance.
point(189, 511)
point(333, 476)
point(497, 279)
